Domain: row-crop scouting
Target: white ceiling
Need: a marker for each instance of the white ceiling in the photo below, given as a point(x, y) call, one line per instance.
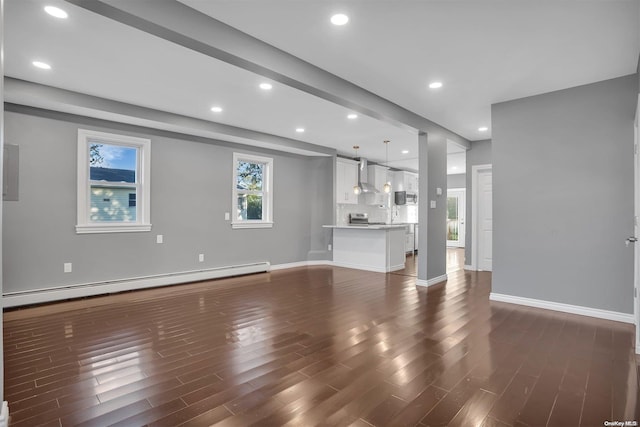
point(484, 51)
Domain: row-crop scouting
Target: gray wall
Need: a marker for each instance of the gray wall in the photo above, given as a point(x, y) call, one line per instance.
point(320, 198)
point(458, 180)
point(478, 154)
point(190, 192)
point(563, 195)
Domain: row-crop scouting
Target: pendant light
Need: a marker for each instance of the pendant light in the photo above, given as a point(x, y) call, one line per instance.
point(387, 185)
point(356, 188)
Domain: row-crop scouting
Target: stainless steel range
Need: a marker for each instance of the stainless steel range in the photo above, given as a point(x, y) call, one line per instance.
point(358, 219)
point(361, 219)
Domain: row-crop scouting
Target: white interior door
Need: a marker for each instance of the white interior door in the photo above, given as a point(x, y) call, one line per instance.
point(456, 217)
point(485, 220)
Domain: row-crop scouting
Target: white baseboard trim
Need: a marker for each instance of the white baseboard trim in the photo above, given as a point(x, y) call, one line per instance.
point(14, 299)
point(300, 264)
point(469, 267)
point(4, 414)
point(319, 262)
point(368, 267)
point(288, 265)
point(431, 282)
point(566, 308)
point(396, 267)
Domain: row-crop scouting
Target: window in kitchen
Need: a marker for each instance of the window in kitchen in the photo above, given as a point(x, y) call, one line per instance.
point(252, 191)
point(113, 183)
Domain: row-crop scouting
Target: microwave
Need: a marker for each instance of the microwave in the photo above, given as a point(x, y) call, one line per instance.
point(404, 198)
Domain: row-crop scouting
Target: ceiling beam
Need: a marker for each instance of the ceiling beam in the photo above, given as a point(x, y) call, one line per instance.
point(177, 23)
point(31, 94)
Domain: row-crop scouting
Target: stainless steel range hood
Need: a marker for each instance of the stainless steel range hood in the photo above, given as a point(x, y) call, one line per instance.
point(363, 175)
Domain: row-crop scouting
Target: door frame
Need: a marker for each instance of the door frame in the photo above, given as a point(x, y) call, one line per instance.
point(636, 228)
point(476, 170)
point(462, 227)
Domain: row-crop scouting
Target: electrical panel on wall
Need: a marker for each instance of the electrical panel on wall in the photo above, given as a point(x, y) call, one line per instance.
point(11, 162)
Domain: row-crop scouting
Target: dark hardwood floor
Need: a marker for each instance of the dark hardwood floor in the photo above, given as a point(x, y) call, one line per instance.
point(315, 346)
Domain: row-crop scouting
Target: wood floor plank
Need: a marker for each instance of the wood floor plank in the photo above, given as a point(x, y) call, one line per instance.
point(314, 346)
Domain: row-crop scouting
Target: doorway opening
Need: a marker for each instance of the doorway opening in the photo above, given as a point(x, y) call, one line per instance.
point(456, 201)
point(456, 205)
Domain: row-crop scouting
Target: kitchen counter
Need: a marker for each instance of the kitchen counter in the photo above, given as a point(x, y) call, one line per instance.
point(375, 247)
point(368, 227)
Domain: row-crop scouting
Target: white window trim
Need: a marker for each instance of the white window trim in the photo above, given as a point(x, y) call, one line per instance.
point(143, 200)
point(267, 191)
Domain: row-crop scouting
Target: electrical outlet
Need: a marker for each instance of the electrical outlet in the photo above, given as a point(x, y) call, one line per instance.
point(201, 258)
point(159, 238)
point(68, 267)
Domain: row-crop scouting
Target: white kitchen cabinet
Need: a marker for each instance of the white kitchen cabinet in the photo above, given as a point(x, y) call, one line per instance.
point(406, 181)
point(346, 179)
point(411, 182)
point(391, 177)
point(408, 244)
point(398, 181)
point(377, 176)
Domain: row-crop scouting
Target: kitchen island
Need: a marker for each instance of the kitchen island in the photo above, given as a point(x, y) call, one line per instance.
point(378, 248)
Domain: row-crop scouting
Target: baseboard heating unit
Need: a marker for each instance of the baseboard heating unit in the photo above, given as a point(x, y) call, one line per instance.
point(37, 296)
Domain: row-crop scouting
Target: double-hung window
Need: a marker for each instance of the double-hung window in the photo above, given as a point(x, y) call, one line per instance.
point(252, 191)
point(113, 183)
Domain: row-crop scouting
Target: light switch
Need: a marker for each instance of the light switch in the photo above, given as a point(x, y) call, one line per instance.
point(68, 267)
point(201, 258)
point(438, 191)
point(159, 238)
point(433, 204)
point(227, 216)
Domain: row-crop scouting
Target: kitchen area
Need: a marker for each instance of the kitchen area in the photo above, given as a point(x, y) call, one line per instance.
point(376, 216)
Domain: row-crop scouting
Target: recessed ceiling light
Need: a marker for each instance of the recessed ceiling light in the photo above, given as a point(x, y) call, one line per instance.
point(405, 151)
point(56, 12)
point(42, 65)
point(435, 85)
point(339, 19)
point(299, 130)
point(266, 86)
point(352, 116)
point(483, 129)
point(216, 109)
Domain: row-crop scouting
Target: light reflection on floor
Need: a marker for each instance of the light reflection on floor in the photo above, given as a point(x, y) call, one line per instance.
point(455, 262)
point(455, 259)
